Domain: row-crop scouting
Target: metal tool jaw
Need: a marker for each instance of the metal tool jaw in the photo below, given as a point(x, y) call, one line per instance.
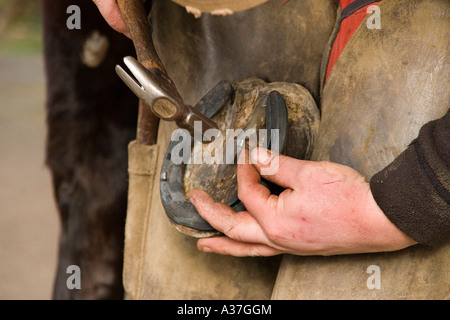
point(159, 93)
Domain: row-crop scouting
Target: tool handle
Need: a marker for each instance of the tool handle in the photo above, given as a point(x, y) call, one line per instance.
point(135, 18)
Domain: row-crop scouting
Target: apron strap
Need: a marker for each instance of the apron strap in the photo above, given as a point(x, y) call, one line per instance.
point(354, 6)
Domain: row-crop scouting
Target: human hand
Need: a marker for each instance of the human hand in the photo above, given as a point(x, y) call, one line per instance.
point(326, 209)
point(111, 13)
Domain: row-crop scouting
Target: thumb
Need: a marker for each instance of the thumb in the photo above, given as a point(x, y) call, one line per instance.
point(279, 169)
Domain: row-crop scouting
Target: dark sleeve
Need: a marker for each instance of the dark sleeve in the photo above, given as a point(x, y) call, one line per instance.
point(414, 190)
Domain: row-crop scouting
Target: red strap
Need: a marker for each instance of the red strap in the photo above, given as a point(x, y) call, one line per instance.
point(346, 31)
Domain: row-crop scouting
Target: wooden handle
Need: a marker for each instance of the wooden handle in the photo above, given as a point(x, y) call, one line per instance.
point(135, 18)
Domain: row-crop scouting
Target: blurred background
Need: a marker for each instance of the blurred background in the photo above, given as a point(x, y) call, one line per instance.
point(29, 223)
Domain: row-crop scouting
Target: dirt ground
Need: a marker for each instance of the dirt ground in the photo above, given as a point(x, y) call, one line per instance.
point(29, 224)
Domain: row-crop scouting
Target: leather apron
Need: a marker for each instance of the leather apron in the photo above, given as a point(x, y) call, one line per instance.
point(286, 43)
point(387, 83)
point(273, 42)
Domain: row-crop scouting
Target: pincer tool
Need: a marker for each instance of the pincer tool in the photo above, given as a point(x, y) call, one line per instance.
point(158, 92)
point(159, 98)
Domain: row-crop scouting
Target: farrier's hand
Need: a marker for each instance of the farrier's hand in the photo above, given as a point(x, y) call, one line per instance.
point(326, 209)
point(110, 11)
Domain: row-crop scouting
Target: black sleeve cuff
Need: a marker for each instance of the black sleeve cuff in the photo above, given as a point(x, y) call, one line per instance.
point(414, 190)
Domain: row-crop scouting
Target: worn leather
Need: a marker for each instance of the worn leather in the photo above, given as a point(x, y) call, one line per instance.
point(386, 84)
point(273, 41)
point(384, 87)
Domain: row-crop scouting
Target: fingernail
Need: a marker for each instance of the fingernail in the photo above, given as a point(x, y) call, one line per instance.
point(190, 197)
point(206, 249)
point(243, 157)
point(262, 156)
